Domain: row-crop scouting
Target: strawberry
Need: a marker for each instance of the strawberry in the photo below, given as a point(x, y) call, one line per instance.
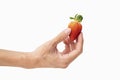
point(75, 26)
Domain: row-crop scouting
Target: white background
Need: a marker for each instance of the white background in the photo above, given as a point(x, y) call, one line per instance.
point(26, 24)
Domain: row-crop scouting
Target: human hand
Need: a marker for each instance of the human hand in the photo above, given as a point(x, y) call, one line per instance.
point(48, 56)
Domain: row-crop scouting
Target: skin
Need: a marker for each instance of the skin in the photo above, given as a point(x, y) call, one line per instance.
point(46, 55)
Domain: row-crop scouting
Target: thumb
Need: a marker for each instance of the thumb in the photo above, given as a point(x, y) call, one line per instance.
point(61, 36)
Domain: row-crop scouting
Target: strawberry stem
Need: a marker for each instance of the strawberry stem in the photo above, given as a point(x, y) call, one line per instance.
point(77, 17)
point(71, 18)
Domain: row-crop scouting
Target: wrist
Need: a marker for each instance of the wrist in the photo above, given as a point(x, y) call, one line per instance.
point(27, 60)
point(30, 60)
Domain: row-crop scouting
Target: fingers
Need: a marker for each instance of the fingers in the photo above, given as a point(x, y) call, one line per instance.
point(61, 36)
point(77, 51)
point(66, 50)
point(69, 46)
point(79, 44)
point(67, 41)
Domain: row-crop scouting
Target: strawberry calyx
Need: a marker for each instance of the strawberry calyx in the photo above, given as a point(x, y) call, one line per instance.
point(77, 17)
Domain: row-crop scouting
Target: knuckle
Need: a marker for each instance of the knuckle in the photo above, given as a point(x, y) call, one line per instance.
point(81, 51)
point(64, 64)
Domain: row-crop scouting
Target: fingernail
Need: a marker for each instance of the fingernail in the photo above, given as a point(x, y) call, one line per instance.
point(67, 31)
